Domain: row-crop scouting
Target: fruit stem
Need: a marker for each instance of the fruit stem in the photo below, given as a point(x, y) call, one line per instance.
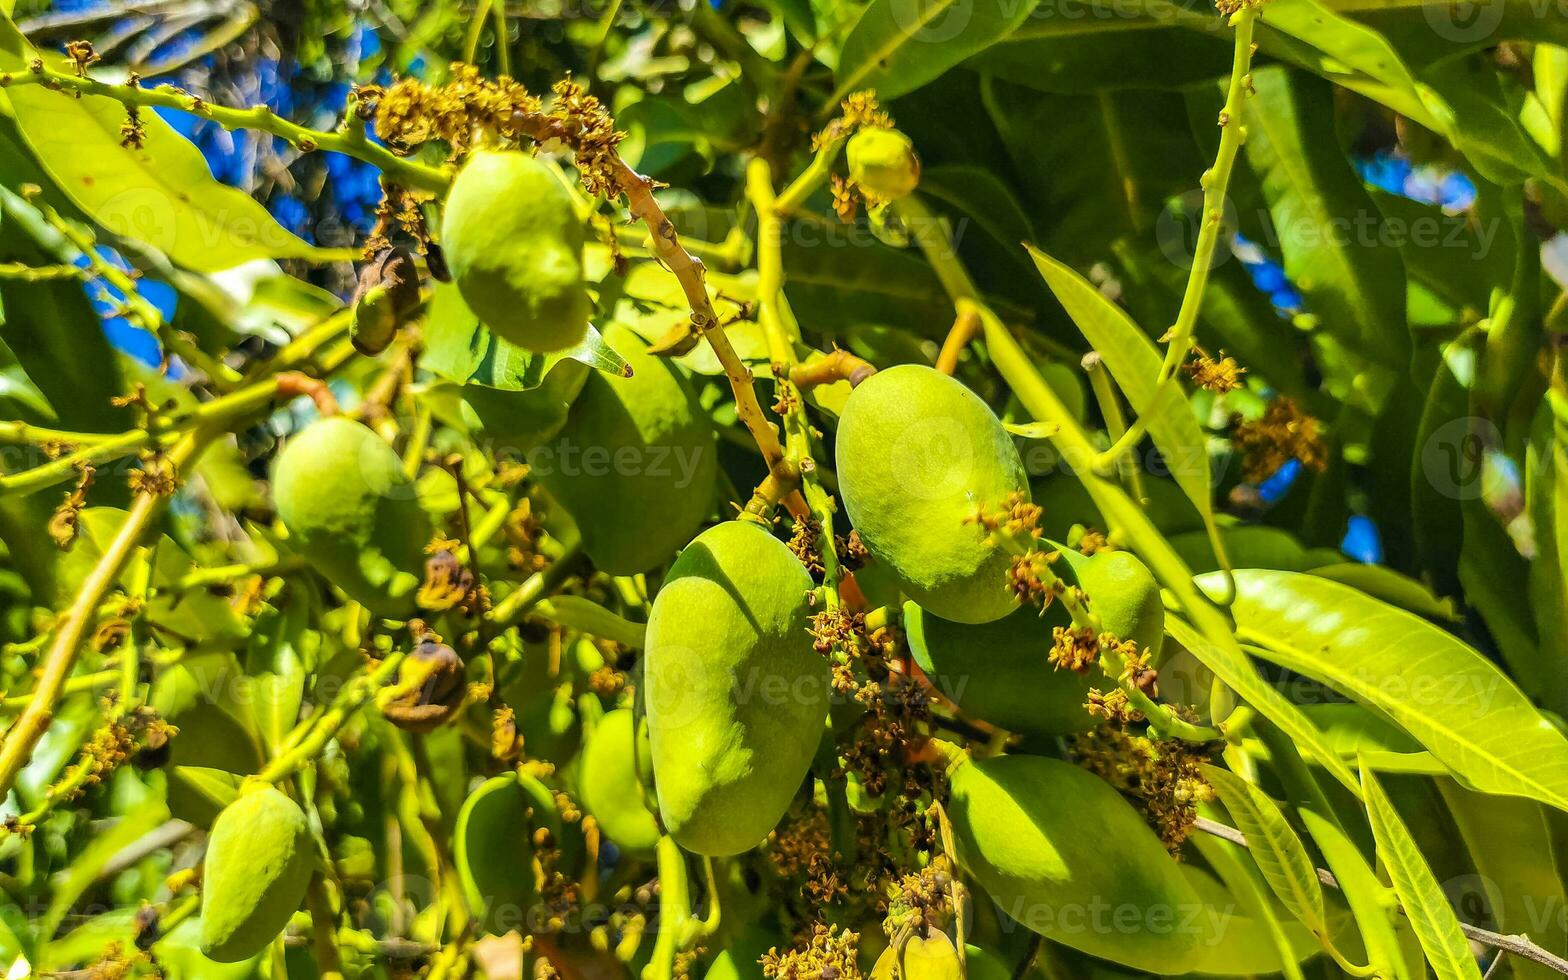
point(1104, 388)
point(347, 140)
point(1215, 182)
point(774, 315)
point(575, 612)
point(966, 327)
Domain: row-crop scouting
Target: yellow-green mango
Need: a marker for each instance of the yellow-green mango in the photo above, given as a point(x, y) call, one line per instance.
point(883, 163)
point(932, 957)
point(259, 862)
point(341, 492)
point(609, 783)
point(514, 243)
point(918, 453)
point(636, 462)
point(998, 672)
point(736, 695)
point(1066, 856)
point(1124, 594)
point(983, 964)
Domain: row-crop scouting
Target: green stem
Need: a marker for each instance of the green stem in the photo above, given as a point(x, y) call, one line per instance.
point(575, 612)
point(1115, 422)
point(535, 589)
point(323, 728)
point(675, 918)
point(348, 139)
point(1215, 183)
point(814, 176)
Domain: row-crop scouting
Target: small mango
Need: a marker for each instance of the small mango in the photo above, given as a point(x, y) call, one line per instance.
point(608, 780)
point(736, 695)
point(635, 464)
point(882, 162)
point(1066, 856)
point(998, 672)
point(350, 509)
point(1124, 594)
point(387, 296)
point(514, 244)
point(918, 453)
point(259, 863)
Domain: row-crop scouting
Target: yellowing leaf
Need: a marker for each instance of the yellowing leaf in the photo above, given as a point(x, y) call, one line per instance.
point(1275, 847)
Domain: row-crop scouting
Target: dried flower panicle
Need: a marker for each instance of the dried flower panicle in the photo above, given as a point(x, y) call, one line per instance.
point(1282, 434)
point(67, 517)
point(1161, 776)
point(923, 900)
point(1073, 648)
point(1219, 375)
point(1113, 706)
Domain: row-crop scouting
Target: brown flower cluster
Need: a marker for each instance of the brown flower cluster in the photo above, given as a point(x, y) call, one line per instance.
point(827, 953)
point(1219, 376)
point(1162, 776)
point(1282, 434)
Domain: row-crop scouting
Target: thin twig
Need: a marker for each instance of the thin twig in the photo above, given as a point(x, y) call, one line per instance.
point(1519, 945)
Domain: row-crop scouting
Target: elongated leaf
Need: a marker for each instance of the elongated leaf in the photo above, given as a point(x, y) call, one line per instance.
point(1370, 900)
point(1449, 697)
point(1134, 362)
point(461, 349)
point(275, 666)
point(1275, 847)
point(1422, 897)
point(899, 45)
point(1236, 671)
point(162, 194)
point(1320, 212)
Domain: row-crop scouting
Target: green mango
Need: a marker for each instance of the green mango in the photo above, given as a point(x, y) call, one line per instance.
point(1066, 856)
point(883, 162)
point(259, 862)
point(351, 511)
point(736, 695)
point(1124, 594)
point(918, 454)
point(636, 463)
point(513, 422)
point(514, 243)
point(998, 671)
point(609, 784)
point(493, 849)
point(932, 957)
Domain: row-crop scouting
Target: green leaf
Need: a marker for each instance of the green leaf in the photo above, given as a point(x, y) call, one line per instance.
point(1433, 920)
point(1320, 211)
point(275, 666)
point(1275, 847)
point(460, 348)
point(69, 885)
point(1236, 671)
point(1134, 362)
point(898, 45)
point(1370, 900)
point(162, 194)
point(1449, 697)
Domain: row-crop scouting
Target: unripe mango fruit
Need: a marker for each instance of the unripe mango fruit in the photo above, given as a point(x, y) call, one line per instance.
point(259, 863)
point(918, 453)
point(341, 492)
point(498, 829)
point(608, 780)
point(932, 957)
point(1065, 855)
point(883, 162)
point(514, 244)
point(635, 463)
point(1124, 594)
point(998, 672)
point(736, 695)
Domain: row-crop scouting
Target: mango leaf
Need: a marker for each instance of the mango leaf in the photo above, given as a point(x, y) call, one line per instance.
point(1279, 853)
point(1353, 282)
point(1506, 839)
point(1430, 915)
point(1134, 362)
point(1240, 674)
point(1370, 900)
point(899, 45)
point(162, 194)
point(1449, 697)
point(275, 665)
point(69, 885)
point(460, 348)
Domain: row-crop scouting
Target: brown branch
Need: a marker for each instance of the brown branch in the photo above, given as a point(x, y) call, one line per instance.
point(1517, 945)
point(840, 365)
